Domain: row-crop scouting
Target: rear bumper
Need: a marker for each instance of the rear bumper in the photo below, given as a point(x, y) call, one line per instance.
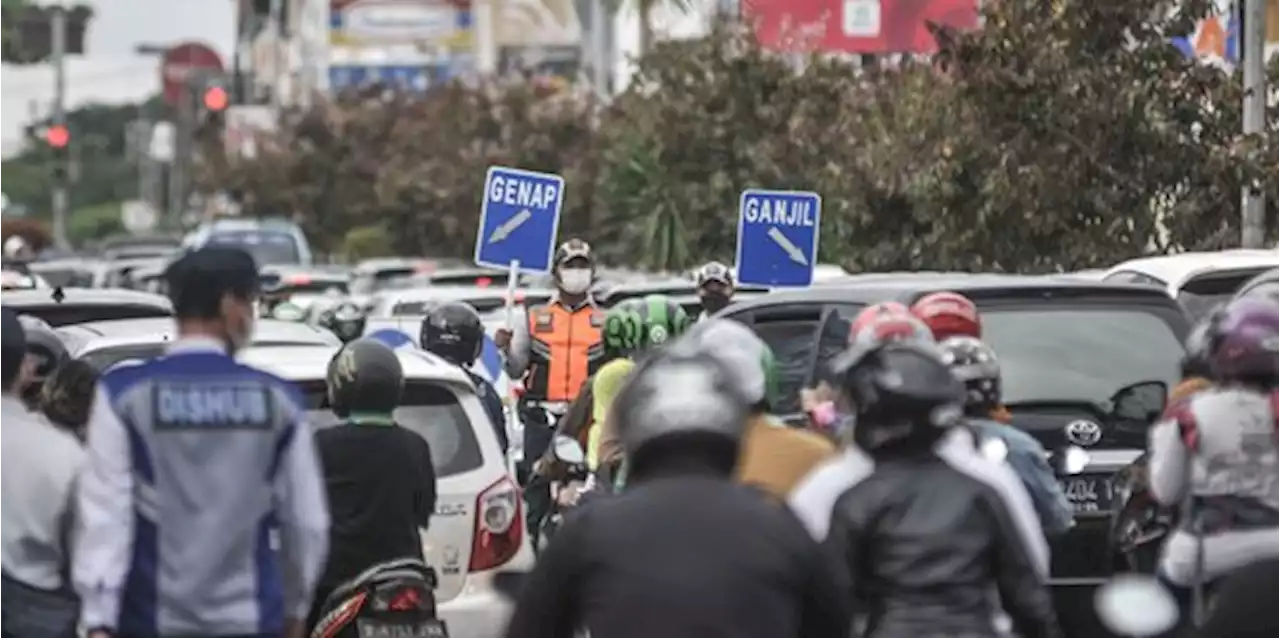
point(477, 614)
point(479, 611)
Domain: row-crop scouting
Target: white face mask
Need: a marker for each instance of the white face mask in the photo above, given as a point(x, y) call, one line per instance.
point(575, 281)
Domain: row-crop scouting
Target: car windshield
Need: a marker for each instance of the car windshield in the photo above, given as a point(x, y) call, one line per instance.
point(267, 247)
point(1202, 294)
point(428, 409)
point(1079, 353)
point(420, 308)
point(104, 358)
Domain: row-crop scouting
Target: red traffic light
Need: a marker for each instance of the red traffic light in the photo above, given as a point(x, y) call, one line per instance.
point(57, 136)
point(216, 98)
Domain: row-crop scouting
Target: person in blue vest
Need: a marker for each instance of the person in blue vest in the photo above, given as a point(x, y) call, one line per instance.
point(202, 505)
point(453, 331)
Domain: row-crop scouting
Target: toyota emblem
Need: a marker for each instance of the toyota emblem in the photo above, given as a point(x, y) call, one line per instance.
point(1083, 433)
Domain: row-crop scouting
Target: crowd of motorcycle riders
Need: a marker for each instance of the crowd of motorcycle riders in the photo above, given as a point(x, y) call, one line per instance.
point(149, 500)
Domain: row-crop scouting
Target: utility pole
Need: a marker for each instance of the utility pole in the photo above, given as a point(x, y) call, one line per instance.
point(601, 60)
point(184, 130)
point(61, 172)
point(1252, 218)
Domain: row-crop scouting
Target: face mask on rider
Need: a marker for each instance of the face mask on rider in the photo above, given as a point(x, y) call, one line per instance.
point(238, 319)
point(575, 281)
point(714, 301)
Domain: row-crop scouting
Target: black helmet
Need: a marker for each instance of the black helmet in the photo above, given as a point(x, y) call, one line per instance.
point(679, 393)
point(897, 385)
point(364, 376)
point(974, 364)
point(46, 348)
point(454, 332)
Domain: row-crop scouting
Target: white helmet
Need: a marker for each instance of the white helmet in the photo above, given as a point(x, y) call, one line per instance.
point(15, 247)
point(738, 348)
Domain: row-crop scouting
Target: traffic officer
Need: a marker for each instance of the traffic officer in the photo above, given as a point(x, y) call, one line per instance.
point(715, 288)
point(556, 349)
point(202, 505)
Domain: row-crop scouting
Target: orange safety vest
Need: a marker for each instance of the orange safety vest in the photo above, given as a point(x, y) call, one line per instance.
point(565, 350)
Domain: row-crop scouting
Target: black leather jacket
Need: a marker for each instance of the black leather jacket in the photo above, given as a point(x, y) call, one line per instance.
point(931, 542)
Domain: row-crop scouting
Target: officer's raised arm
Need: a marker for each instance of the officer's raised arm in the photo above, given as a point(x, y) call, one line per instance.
point(103, 540)
point(516, 356)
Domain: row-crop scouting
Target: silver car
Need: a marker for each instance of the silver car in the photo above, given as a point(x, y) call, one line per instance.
point(478, 526)
point(105, 343)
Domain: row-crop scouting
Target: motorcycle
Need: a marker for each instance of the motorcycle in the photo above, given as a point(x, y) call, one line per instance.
point(395, 599)
point(568, 480)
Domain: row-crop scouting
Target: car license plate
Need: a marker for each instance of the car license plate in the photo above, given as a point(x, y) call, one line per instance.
point(370, 628)
point(1088, 494)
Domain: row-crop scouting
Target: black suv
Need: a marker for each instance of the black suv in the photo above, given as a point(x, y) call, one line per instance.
point(1067, 347)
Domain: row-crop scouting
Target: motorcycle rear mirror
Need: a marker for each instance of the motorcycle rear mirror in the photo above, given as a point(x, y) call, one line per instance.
point(1070, 460)
point(1136, 605)
point(994, 449)
point(568, 450)
point(1141, 402)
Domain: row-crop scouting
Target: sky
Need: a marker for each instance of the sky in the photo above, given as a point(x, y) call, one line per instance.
point(110, 72)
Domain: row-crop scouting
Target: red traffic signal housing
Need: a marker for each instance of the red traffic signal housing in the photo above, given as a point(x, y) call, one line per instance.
point(57, 136)
point(215, 98)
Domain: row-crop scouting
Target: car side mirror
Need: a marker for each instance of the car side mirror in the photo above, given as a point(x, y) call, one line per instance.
point(1141, 402)
point(568, 450)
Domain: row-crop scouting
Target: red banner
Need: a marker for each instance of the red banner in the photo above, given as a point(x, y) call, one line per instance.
point(856, 26)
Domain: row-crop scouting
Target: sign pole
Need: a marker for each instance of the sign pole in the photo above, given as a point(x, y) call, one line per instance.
point(513, 282)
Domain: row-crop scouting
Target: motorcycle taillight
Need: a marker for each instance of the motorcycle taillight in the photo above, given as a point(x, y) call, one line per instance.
point(403, 597)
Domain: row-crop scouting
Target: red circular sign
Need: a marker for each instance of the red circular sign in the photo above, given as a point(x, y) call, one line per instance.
point(178, 64)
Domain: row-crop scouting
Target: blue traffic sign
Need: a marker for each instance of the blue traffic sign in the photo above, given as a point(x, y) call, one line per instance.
point(519, 219)
point(778, 237)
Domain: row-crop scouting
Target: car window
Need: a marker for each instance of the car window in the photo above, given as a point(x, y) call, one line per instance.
point(71, 313)
point(1202, 294)
point(426, 408)
point(1265, 290)
point(419, 308)
point(1080, 353)
point(267, 247)
point(104, 358)
point(792, 332)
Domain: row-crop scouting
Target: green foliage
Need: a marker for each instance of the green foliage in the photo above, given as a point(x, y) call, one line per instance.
point(95, 223)
point(1062, 135)
point(366, 242)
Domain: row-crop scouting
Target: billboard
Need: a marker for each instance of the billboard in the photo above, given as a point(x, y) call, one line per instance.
point(856, 26)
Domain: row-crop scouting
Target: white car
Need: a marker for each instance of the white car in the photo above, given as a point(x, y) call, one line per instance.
point(105, 343)
point(1198, 280)
point(478, 528)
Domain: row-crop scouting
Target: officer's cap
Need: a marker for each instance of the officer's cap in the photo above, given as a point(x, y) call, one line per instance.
point(199, 280)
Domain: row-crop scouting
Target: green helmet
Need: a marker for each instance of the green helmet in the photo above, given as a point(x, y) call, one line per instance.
point(636, 325)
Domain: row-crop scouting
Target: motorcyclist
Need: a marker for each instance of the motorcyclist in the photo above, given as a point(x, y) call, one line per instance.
point(931, 531)
point(645, 325)
point(975, 365)
point(379, 475)
point(454, 332)
point(684, 553)
point(878, 322)
point(715, 288)
point(951, 314)
point(556, 349)
point(45, 352)
point(773, 457)
point(1214, 452)
point(40, 466)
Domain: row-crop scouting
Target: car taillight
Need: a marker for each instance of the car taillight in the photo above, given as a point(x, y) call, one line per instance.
point(499, 531)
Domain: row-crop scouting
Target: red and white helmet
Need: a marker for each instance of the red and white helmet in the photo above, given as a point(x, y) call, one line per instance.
point(948, 314)
point(888, 321)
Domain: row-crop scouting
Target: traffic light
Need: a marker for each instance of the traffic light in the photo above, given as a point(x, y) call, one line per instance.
point(28, 31)
point(58, 137)
point(215, 99)
point(211, 93)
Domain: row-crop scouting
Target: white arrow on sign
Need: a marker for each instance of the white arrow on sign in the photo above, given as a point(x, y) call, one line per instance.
point(793, 251)
point(505, 229)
